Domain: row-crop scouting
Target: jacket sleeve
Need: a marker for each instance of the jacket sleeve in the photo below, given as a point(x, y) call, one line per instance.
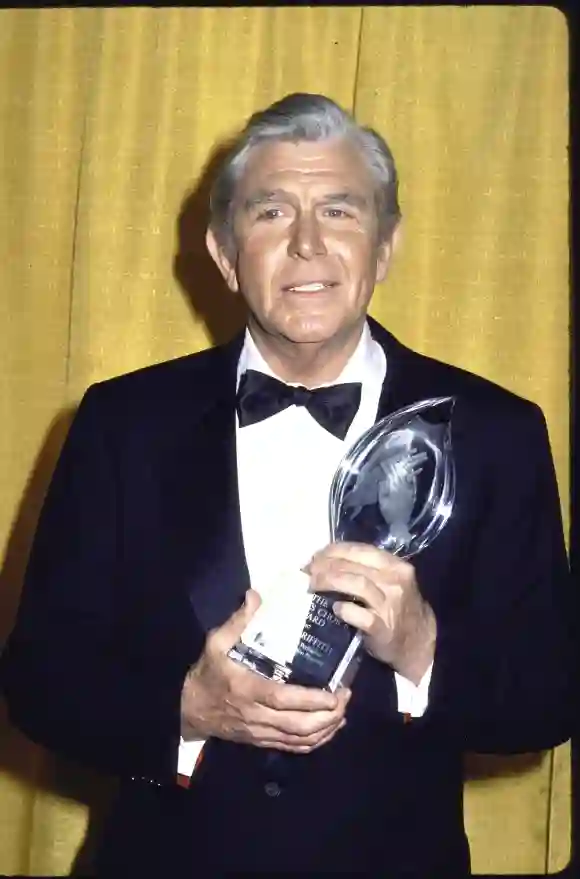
point(506, 664)
point(68, 682)
point(505, 673)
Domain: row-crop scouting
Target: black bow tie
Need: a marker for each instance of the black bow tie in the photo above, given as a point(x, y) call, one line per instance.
point(260, 396)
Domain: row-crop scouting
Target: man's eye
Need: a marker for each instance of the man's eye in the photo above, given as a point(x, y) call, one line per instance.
point(269, 214)
point(336, 213)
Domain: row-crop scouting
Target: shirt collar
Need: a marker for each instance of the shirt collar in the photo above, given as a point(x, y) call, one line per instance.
point(367, 362)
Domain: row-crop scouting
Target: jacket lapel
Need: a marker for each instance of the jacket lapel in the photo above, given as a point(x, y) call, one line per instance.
point(219, 575)
point(393, 395)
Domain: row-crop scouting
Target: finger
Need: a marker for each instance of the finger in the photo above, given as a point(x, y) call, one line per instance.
point(344, 695)
point(368, 557)
point(291, 697)
point(312, 742)
point(327, 738)
point(269, 737)
point(281, 746)
point(349, 578)
point(364, 553)
point(290, 725)
point(304, 748)
point(355, 615)
point(229, 633)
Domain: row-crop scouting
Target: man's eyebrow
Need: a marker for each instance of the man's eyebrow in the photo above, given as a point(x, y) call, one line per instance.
point(352, 198)
point(266, 196)
point(263, 196)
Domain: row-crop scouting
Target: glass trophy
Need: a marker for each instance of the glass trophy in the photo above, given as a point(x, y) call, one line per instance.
point(395, 489)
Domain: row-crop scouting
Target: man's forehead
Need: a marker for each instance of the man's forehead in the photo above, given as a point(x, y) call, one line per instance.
point(277, 166)
point(326, 156)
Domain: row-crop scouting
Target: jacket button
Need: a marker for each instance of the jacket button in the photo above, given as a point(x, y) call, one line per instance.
point(272, 789)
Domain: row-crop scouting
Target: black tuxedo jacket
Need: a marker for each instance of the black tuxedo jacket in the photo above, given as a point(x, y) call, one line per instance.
point(139, 553)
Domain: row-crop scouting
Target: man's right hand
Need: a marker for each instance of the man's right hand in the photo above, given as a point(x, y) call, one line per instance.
point(222, 698)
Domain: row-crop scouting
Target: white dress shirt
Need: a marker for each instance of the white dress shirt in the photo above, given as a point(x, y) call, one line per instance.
point(285, 468)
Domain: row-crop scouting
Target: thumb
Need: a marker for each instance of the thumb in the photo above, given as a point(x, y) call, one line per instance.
point(229, 633)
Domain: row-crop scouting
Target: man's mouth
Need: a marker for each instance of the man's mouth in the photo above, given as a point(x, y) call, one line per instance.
point(309, 286)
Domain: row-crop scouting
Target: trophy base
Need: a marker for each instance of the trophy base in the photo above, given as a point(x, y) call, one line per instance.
point(259, 663)
point(308, 669)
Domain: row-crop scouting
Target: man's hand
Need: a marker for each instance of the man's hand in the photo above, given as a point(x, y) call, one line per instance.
point(399, 625)
point(221, 698)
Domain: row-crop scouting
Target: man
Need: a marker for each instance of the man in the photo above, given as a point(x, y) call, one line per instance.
point(173, 495)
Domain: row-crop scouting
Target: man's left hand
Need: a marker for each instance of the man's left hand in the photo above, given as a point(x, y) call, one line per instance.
point(399, 625)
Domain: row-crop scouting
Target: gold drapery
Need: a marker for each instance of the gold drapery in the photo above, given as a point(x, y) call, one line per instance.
point(107, 117)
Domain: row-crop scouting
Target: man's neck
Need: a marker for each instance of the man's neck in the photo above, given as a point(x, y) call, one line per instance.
point(309, 364)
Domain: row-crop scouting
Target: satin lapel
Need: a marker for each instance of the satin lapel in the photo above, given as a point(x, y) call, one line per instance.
point(392, 396)
point(410, 376)
point(219, 573)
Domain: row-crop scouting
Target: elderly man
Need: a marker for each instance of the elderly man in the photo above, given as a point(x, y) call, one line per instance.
point(169, 501)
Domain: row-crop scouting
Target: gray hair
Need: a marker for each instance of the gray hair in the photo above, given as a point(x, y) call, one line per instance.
point(304, 117)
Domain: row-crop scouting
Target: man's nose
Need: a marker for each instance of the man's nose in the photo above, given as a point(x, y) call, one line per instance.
point(306, 240)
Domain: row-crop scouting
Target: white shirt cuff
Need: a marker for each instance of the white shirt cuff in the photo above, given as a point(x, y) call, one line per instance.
point(187, 756)
point(413, 699)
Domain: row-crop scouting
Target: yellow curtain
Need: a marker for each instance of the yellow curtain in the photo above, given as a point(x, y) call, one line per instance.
point(107, 119)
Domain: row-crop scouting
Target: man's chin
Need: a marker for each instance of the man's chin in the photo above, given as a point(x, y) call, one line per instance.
point(309, 331)
point(317, 333)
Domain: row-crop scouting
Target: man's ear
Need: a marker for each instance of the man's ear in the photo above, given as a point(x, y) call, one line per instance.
point(222, 260)
point(385, 252)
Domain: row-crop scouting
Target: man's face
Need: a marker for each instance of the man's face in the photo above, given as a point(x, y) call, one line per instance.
point(307, 255)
